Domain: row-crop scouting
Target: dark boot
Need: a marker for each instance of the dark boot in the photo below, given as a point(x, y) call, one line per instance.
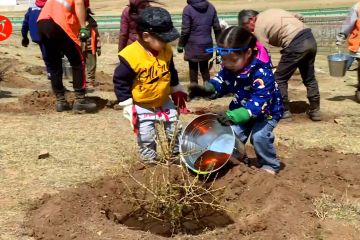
point(314, 110)
point(82, 105)
point(287, 113)
point(357, 96)
point(61, 103)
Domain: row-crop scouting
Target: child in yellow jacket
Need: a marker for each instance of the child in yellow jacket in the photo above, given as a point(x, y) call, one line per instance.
point(146, 77)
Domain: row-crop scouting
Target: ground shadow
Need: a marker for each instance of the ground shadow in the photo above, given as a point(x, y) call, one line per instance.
point(299, 107)
point(342, 98)
point(101, 103)
point(6, 94)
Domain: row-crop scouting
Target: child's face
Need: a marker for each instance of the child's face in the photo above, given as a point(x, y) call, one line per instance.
point(153, 42)
point(235, 62)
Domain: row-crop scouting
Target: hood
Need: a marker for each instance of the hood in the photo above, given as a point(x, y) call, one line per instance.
point(199, 5)
point(138, 2)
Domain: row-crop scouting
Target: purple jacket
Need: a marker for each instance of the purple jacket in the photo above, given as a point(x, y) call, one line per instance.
point(128, 26)
point(199, 17)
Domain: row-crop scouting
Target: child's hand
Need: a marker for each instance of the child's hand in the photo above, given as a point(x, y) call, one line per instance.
point(179, 97)
point(98, 51)
point(224, 119)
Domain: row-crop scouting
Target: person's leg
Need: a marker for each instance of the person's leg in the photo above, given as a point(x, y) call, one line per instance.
point(307, 71)
point(51, 37)
point(350, 62)
point(43, 54)
point(75, 56)
point(242, 133)
point(193, 72)
point(357, 93)
point(91, 67)
point(285, 69)
point(146, 135)
point(205, 72)
point(262, 138)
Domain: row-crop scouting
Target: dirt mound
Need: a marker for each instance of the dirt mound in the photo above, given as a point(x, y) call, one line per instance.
point(105, 82)
point(44, 101)
point(260, 205)
point(35, 70)
point(10, 76)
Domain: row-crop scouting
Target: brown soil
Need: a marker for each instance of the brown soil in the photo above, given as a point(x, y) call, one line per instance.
point(260, 205)
point(44, 101)
point(105, 82)
point(35, 70)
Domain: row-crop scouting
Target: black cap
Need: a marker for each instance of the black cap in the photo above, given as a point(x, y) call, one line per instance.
point(157, 21)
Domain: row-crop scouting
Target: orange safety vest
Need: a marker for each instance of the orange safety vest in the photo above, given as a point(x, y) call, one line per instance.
point(93, 41)
point(354, 38)
point(62, 12)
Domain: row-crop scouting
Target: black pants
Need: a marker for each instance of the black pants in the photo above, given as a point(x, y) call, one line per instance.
point(194, 70)
point(300, 54)
point(56, 43)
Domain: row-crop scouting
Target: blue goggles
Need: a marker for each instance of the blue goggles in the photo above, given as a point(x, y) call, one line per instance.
point(224, 51)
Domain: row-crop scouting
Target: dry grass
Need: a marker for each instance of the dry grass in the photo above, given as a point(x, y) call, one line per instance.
point(343, 209)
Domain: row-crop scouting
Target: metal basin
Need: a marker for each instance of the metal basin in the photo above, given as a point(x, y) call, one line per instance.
point(206, 146)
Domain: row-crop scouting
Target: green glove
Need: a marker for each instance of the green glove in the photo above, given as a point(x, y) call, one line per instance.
point(239, 116)
point(84, 34)
point(209, 87)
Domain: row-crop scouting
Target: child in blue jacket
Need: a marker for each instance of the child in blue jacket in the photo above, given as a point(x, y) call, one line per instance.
point(257, 106)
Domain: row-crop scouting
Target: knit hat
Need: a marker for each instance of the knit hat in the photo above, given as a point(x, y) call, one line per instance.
point(40, 3)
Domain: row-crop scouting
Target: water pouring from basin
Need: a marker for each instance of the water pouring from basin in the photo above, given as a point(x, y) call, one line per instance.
point(206, 146)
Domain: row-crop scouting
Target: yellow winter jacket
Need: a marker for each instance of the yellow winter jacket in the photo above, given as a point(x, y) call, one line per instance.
point(151, 86)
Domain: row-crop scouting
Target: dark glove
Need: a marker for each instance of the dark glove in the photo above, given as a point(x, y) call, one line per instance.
point(218, 57)
point(180, 49)
point(340, 39)
point(224, 119)
point(208, 91)
point(98, 51)
point(25, 42)
point(84, 34)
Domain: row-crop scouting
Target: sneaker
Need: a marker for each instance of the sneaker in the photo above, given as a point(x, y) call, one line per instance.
point(82, 105)
point(286, 115)
point(314, 114)
point(268, 170)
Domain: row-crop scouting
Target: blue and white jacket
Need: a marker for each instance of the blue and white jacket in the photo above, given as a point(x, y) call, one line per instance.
point(254, 89)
